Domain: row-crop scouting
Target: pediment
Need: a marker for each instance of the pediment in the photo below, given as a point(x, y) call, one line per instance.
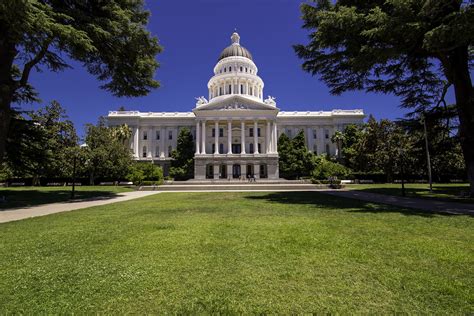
point(235, 103)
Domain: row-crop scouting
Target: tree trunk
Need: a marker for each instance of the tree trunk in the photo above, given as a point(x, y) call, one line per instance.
point(464, 94)
point(7, 90)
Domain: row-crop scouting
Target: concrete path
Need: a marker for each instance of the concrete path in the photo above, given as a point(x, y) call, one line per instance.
point(16, 214)
point(408, 202)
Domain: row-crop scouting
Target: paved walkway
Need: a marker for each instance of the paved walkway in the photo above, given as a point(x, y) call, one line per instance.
point(46, 209)
point(409, 202)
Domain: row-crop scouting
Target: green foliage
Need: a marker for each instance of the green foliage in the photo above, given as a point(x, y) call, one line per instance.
point(295, 160)
point(145, 172)
point(105, 154)
point(41, 144)
point(109, 38)
point(326, 169)
point(182, 165)
point(414, 49)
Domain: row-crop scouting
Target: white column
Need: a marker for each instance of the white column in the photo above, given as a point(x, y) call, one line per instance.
point(321, 141)
point(229, 137)
point(216, 137)
point(255, 137)
point(232, 86)
point(162, 142)
point(247, 87)
point(203, 137)
point(242, 135)
point(275, 137)
point(137, 141)
point(198, 132)
point(267, 138)
point(309, 140)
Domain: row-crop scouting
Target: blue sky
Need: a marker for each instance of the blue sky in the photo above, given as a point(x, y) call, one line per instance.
point(193, 33)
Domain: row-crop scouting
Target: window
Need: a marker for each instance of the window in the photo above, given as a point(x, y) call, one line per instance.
point(315, 149)
point(326, 133)
point(157, 151)
point(213, 148)
point(225, 69)
point(241, 89)
point(245, 69)
point(315, 134)
point(258, 132)
point(221, 132)
point(170, 151)
point(251, 93)
point(170, 135)
point(251, 132)
point(288, 133)
point(241, 69)
point(213, 132)
point(221, 148)
point(157, 135)
point(230, 89)
point(144, 152)
point(251, 148)
point(259, 148)
point(327, 149)
point(230, 69)
point(145, 135)
point(220, 91)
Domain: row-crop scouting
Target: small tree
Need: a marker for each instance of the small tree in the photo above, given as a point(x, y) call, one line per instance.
point(182, 165)
point(294, 158)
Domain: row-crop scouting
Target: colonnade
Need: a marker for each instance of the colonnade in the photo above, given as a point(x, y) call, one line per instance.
point(271, 138)
point(237, 86)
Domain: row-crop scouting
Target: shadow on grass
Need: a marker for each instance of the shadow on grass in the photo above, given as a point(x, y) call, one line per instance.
point(330, 202)
point(16, 199)
point(440, 193)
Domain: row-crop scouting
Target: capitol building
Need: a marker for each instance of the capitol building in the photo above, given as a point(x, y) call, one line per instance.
point(235, 129)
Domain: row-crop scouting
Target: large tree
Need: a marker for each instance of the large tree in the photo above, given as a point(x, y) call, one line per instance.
point(182, 165)
point(108, 37)
point(406, 47)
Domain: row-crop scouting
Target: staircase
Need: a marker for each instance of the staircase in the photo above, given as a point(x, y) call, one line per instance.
point(235, 185)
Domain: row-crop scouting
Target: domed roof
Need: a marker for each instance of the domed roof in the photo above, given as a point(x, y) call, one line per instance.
point(235, 49)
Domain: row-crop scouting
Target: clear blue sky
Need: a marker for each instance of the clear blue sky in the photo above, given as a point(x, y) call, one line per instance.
point(193, 33)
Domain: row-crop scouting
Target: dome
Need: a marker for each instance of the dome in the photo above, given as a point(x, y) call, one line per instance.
point(235, 49)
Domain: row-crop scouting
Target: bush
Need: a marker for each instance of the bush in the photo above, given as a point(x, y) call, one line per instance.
point(149, 172)
point(326, 169)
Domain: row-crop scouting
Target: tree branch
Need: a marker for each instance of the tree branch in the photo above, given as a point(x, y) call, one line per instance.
point(29, 65)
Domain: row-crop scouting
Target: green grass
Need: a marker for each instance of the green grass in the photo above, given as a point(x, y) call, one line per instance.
point(240, 253)
point(32, 196)
point(441, 191)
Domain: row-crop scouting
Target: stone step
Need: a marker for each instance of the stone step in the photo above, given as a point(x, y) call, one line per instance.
point(236, 187)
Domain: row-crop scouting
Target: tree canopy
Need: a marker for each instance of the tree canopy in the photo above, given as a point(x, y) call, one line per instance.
point(411, 48)
point(109, 38)
point(182, 165)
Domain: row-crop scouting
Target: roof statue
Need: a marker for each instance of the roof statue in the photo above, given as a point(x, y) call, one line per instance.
point(201, 101)
point(270, 100)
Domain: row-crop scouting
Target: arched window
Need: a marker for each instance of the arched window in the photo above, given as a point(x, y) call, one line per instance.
point(241, 69)
point(225, 69)
point(144, 152)
point(230, 69)
point(241, 89)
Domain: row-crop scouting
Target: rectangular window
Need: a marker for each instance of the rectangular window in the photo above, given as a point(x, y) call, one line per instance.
point(157, 135)
point(315, 149)
point(326, 133)
point(289, 133)
point(258, 132)
point(241, 89)
point(145, 135)
point(170, 135)
point(221, 148)
point(221, 132)
point(251, 132)
point(157, 151)
point(213, 132)
point(251, 148)
point(327, 149)
point(241, 69)
point(315, 134)
point(213, 148)
point(259, 148)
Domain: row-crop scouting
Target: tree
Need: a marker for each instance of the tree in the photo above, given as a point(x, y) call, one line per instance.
point(141, 171)
point(338, 139)
point(108, 37)
point(105, 154)
point(182, 165)
point(325, 169)
point(42, 144)
point(295, 160)
point(396, 46)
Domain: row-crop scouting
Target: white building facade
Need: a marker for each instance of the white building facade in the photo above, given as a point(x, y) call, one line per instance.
point(235, 131)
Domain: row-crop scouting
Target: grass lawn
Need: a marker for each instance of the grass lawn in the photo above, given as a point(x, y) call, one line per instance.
point(33, 196)
point(238, 252)
point(442, 191)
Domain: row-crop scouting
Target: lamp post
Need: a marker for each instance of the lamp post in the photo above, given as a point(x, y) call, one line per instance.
point(428, 159)
point(401, 152)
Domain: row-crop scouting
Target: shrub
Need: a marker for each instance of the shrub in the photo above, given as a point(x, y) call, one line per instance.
point(326, 169)
point(141, 172)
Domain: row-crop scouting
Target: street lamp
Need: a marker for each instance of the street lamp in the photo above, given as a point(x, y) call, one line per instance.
point(428, 159)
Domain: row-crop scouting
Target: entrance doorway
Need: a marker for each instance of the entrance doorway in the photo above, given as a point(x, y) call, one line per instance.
point(236, 171)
